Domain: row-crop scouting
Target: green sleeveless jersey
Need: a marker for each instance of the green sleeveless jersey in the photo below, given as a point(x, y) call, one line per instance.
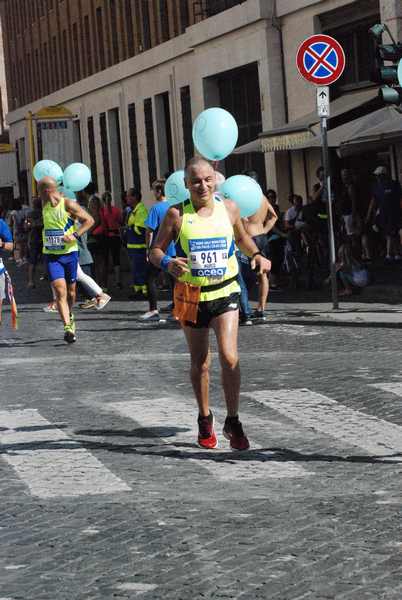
point(209, 245)
point(57, 222)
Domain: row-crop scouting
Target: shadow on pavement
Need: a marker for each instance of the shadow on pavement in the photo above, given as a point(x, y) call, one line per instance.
point(180, 452)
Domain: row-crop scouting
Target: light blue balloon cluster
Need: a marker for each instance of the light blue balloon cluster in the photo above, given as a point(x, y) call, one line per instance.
point(75, 178)
point(245, 191)
point(48, 168)
point(215, 133)
point(175, 188)
point(66, 192)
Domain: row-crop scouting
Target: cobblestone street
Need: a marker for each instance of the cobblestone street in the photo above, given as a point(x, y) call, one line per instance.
point(105, 493)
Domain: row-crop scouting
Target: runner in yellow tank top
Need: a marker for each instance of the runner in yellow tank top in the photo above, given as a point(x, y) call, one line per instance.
point(205, 231)
point(60, 248)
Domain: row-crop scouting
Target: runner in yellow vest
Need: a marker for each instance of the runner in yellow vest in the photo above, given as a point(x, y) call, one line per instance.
point(206, 230)
point(60, 248)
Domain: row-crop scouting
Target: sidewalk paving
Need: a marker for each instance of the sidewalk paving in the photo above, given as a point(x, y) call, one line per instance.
point(380, 303)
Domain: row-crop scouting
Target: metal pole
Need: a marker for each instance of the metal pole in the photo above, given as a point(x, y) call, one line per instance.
point(31, 144)
point(331, 236)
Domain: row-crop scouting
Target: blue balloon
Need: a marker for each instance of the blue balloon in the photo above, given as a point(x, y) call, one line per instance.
point(245, 191)
point(48, 168)
point(76, 177)
point(175, 188)
point(67, 193)
point(215, 133)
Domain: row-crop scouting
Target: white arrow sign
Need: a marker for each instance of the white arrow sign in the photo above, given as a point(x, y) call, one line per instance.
point(323, 101)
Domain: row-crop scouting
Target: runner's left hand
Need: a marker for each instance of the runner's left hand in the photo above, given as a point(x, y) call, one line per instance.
point(263, 264)
point(68, 238)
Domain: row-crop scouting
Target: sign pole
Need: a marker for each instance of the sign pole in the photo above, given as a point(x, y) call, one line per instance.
point(320, 60)
point(331, 236)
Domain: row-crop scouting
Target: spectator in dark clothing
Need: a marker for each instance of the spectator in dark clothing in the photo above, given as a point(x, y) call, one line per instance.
point(348, 201)
point(34, 225)
point(386, 205)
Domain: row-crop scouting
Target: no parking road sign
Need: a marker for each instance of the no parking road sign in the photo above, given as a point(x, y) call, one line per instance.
point(320, 59)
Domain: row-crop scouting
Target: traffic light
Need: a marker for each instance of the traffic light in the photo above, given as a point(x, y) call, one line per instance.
point(387, 66)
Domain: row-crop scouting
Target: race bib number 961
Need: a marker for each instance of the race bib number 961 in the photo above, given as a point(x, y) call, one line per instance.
point(209, 257)
point(54, 239)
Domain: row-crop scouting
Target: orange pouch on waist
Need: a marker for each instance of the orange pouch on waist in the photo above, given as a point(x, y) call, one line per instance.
point(186, 300)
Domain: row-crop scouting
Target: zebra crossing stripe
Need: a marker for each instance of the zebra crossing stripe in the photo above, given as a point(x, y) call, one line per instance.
point(324, 415)
point(175, 425)
point(49, 462)
point(393, 388)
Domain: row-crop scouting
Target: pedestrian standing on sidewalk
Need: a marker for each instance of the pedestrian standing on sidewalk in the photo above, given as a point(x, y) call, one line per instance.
point(206, 231)
point(258, 226)
point(136, 246)
point(6, 245)
point(112, 221)
point(60, 246)
point(34, 226)
point(386, 204)
point(153, 222)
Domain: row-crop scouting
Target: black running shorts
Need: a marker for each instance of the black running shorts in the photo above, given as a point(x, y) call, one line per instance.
point(213, 308)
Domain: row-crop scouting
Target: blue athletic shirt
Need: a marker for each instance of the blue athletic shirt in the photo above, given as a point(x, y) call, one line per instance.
point(5, 236)
point(154, 220)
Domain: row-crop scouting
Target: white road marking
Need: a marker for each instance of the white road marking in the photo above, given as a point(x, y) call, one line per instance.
point(320, 413)
point(176, 425)
point(49, 462)
point(393, 388)
point(138, 587)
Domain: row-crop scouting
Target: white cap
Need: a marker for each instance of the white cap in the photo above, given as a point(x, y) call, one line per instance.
point(380, 171)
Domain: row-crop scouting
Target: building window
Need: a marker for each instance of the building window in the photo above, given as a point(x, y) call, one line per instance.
point(184, 15)
point(146, 27)
point(164, 129)
point(187, 121)
point(149, 134)
point(92, 153)
point(164, 19)
point(135, 160)
point(129, 27)
point(28, 63)
point(88, 46)
point(359, 48)
point(239, 92)
point(46, 67)
point(105, 151)
point(66, 62)
point(38, 90)
point(99, 31)
point(76, 53)
point(55, 63)
point(113, 26)
point(213, 7)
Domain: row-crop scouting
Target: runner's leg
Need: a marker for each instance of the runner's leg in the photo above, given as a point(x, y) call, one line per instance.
point(90, 284)
point(226, 327)
point(263, 291)
point(71, 295)
point(59, 287)
point(198, 344)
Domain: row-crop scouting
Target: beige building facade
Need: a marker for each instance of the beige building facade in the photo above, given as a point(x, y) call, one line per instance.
point(3, 86)
point(349, 22)
point(134, 118)
point(131, 121)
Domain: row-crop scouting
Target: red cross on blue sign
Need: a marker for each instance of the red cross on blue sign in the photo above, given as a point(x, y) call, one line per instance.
point(320, 59)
